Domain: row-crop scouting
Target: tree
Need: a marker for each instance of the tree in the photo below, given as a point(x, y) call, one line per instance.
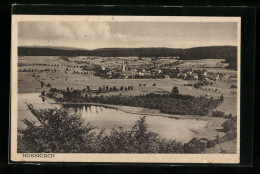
point(88, 89)
point(43, 93)
point(230, 125)
point(58, 132)
point(175, 90)
point(42, 84)
point(99, 89)
point(221, 97)
point(86, 96)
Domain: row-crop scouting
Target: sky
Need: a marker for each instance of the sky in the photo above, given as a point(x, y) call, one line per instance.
point(92, 35)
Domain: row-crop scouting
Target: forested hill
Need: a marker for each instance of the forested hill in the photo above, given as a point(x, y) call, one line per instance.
point(229, 53)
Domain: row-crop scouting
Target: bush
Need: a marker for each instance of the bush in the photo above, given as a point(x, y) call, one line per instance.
point(43, 93)
point(218, 114)
point(221, 97)
point(195, 146)
point(175, 90)
point(211, 143)
point(228, 136)
point(230, 125)
point(48, 85)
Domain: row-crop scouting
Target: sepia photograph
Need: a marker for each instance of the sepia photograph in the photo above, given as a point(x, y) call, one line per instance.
point(160, 89)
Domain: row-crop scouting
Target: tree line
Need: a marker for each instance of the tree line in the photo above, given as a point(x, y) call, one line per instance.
point(229, 53)
point(173, 103)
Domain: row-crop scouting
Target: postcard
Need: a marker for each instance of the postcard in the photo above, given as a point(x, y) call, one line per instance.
point(134, 89)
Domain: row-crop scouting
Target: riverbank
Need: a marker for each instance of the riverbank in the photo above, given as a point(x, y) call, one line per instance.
point(181, 130)
point(141, 111)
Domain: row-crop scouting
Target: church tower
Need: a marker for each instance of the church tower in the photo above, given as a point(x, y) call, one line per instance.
point(123, 66)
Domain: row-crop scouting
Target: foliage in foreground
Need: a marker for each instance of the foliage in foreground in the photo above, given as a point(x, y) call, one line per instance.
point(230, 124)
point(62, 132)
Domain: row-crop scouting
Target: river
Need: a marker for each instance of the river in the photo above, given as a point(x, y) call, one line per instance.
point(108, 118)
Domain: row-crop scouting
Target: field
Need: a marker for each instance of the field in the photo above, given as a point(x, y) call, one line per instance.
point(60, 73)
point(64, 77)
point(203, 63)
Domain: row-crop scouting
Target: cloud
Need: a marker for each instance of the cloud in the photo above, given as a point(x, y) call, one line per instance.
point(43, 31)
point(91, 35)
point(58, 32)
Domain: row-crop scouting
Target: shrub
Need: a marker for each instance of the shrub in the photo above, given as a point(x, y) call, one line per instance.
point(218, 114)
point(230, 125)
point(48, 85)
point(224, 151)
point(211, 143)
point(228, 136)
point(43, 93)
point(195, 145)
point(175, 90)
point(221, 97)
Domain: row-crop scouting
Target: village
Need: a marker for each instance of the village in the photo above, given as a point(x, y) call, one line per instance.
point(197, 76)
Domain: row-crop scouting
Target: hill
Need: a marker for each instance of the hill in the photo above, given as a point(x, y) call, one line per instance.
point(229, 53)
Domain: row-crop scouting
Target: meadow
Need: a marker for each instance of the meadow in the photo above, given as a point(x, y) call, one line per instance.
point(59, 73)
point(64, 77)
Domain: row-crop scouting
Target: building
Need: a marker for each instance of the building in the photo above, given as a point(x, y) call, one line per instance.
point(166, 76)
point(205, 73)
point(157, 71)
point(189, 72)
point(103, 68)
point(195, 76)
point(217, 78)
point(128, 74)
point(123, 66)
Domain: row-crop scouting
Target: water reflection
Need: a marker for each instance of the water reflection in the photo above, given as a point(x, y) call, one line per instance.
point(105, 117)
point(108, 118)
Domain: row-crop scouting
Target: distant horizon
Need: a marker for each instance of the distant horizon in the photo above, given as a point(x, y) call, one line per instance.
point(67, 47)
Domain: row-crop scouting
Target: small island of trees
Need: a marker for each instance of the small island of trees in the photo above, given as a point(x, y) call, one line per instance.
point(173, 103)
